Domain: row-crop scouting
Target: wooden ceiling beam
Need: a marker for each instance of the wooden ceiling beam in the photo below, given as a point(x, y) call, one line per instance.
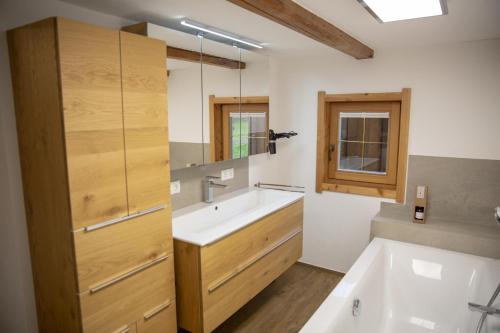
point(188, 55)
point(296, 17)
point(193, 56)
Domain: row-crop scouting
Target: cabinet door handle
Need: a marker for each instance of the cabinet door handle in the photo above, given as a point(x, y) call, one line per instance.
point(157, 310)
point(122, 219)
point(219, 283)
point(121, 277)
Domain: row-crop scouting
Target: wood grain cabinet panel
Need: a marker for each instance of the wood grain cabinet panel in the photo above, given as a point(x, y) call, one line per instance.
point(119, 248)
point(188, 286)
point(128, 300)
point(35, 81)
point(93, 121)
point(220, 304)
point(144, 78)
point(223, 258)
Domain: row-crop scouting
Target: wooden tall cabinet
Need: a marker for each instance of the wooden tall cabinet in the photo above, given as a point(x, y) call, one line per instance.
point(93, 139)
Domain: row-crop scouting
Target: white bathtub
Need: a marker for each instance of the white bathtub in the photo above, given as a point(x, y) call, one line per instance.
point(407, 288)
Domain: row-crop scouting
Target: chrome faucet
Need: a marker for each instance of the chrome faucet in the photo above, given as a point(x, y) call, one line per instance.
point(208, 188)
point(486, 310)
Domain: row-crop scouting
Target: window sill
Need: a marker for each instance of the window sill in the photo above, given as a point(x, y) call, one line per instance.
point(372, 191)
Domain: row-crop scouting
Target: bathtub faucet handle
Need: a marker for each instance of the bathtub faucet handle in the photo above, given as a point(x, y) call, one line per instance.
point(486, 310)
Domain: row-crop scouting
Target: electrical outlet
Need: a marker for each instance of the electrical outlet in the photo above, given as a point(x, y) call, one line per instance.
point(420, 191)
point(227, 174)
point(175, 187)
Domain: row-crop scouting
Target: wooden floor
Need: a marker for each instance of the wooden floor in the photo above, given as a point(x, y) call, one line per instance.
point(286, 304)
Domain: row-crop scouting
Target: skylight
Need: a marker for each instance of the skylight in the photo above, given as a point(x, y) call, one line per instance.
point(397, 10)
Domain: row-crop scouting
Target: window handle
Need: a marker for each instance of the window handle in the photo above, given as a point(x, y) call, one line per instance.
point(331, 149)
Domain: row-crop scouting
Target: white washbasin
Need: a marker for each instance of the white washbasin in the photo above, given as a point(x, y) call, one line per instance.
point(202, 223)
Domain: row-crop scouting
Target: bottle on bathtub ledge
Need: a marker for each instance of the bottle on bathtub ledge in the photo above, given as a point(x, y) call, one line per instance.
point(419, 209)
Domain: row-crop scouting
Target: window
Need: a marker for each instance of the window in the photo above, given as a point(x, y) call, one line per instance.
point(248, 133)
point(362, 143)
point(238, 131)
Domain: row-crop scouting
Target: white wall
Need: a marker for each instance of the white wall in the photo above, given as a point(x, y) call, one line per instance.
point(17, 303)
point(455, 112)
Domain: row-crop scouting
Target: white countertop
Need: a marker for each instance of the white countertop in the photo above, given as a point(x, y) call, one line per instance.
point(202, 224)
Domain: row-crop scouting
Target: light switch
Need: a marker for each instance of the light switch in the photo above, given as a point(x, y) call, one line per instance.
point(175, 187)
point(227, 174)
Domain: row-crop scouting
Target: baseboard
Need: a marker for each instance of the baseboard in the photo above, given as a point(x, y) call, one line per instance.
point(320, 267)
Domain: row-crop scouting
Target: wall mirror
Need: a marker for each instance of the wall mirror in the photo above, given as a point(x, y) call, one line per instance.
point(218, 99)
point(223, 82)
point(185, 117)
point(239, 123)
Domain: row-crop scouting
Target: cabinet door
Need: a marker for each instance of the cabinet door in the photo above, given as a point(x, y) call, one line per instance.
point(144, 81)
point(93, 120)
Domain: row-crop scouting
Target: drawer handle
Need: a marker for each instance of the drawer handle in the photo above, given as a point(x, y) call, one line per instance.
point(118, 278)
point(252, 260)
point(158, 309)
point(124, 329)
point(123, 218)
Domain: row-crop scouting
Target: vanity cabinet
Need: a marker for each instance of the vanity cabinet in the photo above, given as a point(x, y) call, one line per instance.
point(215, 280)
point(92, 130)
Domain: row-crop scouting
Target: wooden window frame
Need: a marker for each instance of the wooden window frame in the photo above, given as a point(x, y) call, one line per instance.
point(218, 123)
point(325, 183)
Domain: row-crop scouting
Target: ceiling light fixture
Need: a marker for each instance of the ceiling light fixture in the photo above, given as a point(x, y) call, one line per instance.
point(397, 10)
point(219, 33)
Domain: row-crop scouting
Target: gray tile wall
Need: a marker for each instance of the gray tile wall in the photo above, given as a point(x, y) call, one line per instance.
point(191, 181)
point(461, 197)
point(460, 189)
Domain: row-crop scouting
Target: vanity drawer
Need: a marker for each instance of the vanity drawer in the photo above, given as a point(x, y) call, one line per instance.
point(225, 256)
point(160, 319)
point(118, 248)
point(225, 299)
point(129, 298)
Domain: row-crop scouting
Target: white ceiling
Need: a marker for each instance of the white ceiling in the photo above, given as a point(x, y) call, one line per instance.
point(191, 42)
point(467, 20)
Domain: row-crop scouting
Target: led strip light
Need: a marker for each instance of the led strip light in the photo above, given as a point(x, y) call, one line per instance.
point(217, 32)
